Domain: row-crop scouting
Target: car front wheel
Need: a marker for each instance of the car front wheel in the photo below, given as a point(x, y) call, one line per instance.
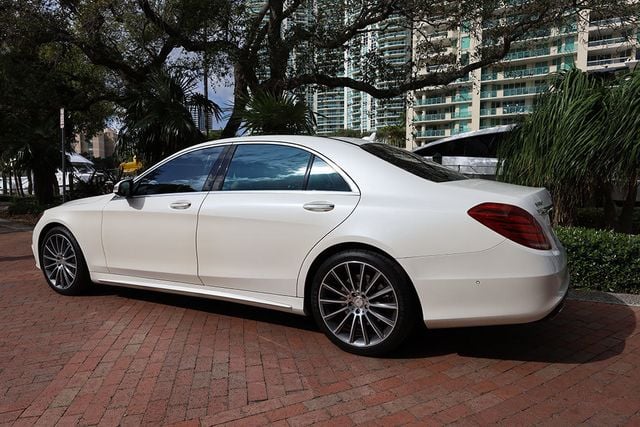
point(62, 262)
point(363, 302)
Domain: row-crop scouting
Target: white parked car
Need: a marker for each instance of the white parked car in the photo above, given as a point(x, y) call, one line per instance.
point(365, 237)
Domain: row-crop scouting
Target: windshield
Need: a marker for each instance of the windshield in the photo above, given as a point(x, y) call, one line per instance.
point(413, 163)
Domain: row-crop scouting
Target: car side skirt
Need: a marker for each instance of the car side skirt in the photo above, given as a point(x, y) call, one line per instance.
point(257, 299)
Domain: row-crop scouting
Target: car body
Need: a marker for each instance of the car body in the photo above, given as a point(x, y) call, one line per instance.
point(257, 233)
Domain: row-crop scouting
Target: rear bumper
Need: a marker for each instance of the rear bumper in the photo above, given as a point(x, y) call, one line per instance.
point(558, 308)
point(507, 284)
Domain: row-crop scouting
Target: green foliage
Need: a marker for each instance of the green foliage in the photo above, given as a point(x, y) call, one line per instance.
point(25, 206)
point(395, 135)
point(581, 139)
point(157, 120)
point(270, 113)
point(602, 260)
point(37, 77)
point(595, 218)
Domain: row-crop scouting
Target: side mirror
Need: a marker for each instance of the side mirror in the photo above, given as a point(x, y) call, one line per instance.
point(123, 188)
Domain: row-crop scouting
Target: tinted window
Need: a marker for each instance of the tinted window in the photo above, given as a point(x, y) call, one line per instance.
point(413, 163)
point(472, 146)
point(267, 167)
point(186, 173)
point(324, 178)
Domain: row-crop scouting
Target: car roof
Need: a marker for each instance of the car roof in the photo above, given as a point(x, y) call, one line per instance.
point(317, 143)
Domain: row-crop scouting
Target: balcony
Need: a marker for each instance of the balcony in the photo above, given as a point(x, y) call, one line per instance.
point(489, 76)
point(512, 74)
point(430, 117)
point(604, 42)
point(607, 61)
point(392, 44)
point(461, 114)
point(517, 109)
point(527, 54)
point(488, 94)
point(545, 32)
point(456, 131)
point(463, 97)
point(431, 132)
point(524, 90)
point(605, 22)
point(567, 49)
point(431, 101)
point(488, 111)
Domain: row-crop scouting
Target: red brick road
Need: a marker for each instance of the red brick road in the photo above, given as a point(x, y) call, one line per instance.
point(123, 357)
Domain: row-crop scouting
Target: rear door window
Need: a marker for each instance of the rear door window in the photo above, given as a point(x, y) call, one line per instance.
point(266, 167)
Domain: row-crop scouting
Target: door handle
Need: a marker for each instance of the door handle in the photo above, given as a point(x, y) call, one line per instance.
point(180, 205)
point(319, 206)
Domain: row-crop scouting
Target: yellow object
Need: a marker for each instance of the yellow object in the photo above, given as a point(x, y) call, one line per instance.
point(129, 167)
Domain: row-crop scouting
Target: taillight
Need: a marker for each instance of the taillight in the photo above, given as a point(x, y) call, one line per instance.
point(512, 222)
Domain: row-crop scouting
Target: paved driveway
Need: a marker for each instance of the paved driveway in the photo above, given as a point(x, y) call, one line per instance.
point(129, 357)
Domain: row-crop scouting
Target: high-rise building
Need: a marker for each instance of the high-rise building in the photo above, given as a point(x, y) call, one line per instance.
point(497, 94)
point(100, 145)
point(199, 118)
point(345, 108)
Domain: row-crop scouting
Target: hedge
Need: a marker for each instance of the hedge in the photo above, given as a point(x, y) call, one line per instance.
point(602, 260)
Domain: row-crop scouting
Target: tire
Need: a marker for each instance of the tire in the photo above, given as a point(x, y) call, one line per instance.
point(63, 263)
point(370, 317)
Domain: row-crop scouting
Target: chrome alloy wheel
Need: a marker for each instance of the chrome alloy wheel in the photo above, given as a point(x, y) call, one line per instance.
point(59, 261)
point(358, 304)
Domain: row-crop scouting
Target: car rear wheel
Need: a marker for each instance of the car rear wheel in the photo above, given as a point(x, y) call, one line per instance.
point(62, 262)
point(363, 302)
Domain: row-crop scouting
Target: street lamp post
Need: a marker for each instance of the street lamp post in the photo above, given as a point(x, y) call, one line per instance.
point(64, 155)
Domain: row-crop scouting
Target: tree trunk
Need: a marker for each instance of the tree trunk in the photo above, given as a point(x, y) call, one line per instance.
point(625, 221)
point(30, 181)
point(4, 183)
point(564, 212)
point(43, 185)
point(240, 94)
point(10, 182)
point(19, 189)
point(609, 206)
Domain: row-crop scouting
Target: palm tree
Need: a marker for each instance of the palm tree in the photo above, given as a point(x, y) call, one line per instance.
point(268, 113)
point(395, 135)
point(583, 138)
point(157, 120)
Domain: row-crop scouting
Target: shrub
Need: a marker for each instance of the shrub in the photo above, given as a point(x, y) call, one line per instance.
point(594, 218)
point(24, 205)
point(602, 260)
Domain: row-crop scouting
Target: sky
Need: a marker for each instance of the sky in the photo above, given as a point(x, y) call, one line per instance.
point(222, 94)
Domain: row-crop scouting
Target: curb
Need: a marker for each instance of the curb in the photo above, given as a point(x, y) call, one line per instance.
point(631, 300)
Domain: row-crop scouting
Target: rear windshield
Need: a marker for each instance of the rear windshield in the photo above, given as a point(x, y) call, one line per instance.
point(413, 163)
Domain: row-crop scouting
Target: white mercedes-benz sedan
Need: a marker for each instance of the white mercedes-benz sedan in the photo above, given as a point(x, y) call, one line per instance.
point(365, 237)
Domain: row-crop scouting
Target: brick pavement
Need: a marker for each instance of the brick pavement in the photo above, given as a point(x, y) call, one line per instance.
point(125, 357)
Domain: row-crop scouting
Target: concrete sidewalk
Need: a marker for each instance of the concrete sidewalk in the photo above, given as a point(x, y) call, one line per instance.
point(7, 226)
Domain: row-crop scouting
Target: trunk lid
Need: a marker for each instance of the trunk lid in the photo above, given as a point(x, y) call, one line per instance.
point(535, 200)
